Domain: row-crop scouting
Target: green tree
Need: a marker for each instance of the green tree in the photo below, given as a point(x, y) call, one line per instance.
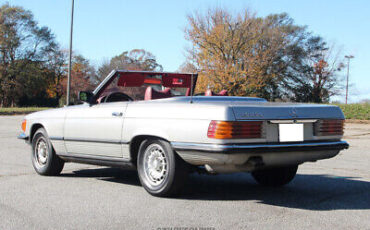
point(313, 73)
point(25, 47)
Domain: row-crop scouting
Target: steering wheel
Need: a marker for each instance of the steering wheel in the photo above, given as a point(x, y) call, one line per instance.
point(117, 96)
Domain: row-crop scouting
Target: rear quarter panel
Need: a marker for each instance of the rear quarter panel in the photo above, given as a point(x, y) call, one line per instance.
point(181, 122)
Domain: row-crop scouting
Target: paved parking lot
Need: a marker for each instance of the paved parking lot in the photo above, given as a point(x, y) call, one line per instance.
point(329, 194)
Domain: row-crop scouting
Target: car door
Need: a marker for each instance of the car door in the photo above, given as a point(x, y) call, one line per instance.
point(95, 130)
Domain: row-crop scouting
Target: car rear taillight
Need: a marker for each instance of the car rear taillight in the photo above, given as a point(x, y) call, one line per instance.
point(328, 127)
point(235, 129)
point(24, 124)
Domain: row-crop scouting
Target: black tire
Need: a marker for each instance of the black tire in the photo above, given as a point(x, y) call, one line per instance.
point(169, 183)
point(49, 164)
point(275, 177)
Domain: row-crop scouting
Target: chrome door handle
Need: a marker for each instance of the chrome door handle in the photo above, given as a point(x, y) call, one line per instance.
point(117, 114)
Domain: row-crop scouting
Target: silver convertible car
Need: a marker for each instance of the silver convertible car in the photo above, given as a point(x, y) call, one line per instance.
point(152, 122)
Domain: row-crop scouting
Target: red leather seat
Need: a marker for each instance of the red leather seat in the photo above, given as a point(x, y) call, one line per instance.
point(221, 93)
point(151, 93)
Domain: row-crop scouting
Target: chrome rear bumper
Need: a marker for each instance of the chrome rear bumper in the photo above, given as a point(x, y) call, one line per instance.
point(255, 148)
point(249, 157)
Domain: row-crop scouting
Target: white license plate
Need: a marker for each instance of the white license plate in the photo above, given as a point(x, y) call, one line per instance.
point(290, 132)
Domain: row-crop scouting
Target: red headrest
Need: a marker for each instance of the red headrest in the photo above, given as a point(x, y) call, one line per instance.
point(221, 93)
point(151, 94)
point(208, 93)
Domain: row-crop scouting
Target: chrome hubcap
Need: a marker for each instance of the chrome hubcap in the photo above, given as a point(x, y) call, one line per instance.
point(41, 152)
point(155, 164)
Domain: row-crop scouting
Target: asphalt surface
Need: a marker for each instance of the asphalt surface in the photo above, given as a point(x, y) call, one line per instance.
point(329, 194)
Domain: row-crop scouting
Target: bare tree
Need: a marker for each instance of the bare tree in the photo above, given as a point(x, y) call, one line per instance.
point(136, 59)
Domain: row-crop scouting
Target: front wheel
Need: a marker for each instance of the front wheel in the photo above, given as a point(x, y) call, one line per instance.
point(44, 160)
point(161, 171)
point(275, 176)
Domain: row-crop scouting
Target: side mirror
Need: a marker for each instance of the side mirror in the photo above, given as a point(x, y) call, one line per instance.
point(85, 96)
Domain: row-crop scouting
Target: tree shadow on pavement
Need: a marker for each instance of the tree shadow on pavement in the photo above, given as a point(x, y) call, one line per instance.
point(310, 192)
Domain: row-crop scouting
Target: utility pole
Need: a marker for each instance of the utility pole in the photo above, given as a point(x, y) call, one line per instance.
point(70, 57)
point(348, 60)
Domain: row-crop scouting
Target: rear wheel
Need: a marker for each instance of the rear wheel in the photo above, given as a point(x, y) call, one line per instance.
point(161, 171)
point(275, 176)
point(44, 160)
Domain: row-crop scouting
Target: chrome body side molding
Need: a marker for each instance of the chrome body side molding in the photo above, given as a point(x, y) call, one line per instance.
point(106, 141)
point(98, 160)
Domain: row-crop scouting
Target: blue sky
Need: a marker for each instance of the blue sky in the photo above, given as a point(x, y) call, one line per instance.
point(105, 28)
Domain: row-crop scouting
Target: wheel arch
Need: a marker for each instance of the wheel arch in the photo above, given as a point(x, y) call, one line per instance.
point(135, 145)
point(33, 130)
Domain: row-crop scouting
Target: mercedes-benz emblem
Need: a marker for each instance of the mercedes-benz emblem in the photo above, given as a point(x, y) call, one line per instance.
point(293, 112)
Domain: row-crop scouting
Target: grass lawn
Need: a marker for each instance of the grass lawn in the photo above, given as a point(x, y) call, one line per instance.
point(22, 110)
point(356, 111)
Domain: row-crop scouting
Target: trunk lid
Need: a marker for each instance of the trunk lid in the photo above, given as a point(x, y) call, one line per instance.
point(285, 111)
